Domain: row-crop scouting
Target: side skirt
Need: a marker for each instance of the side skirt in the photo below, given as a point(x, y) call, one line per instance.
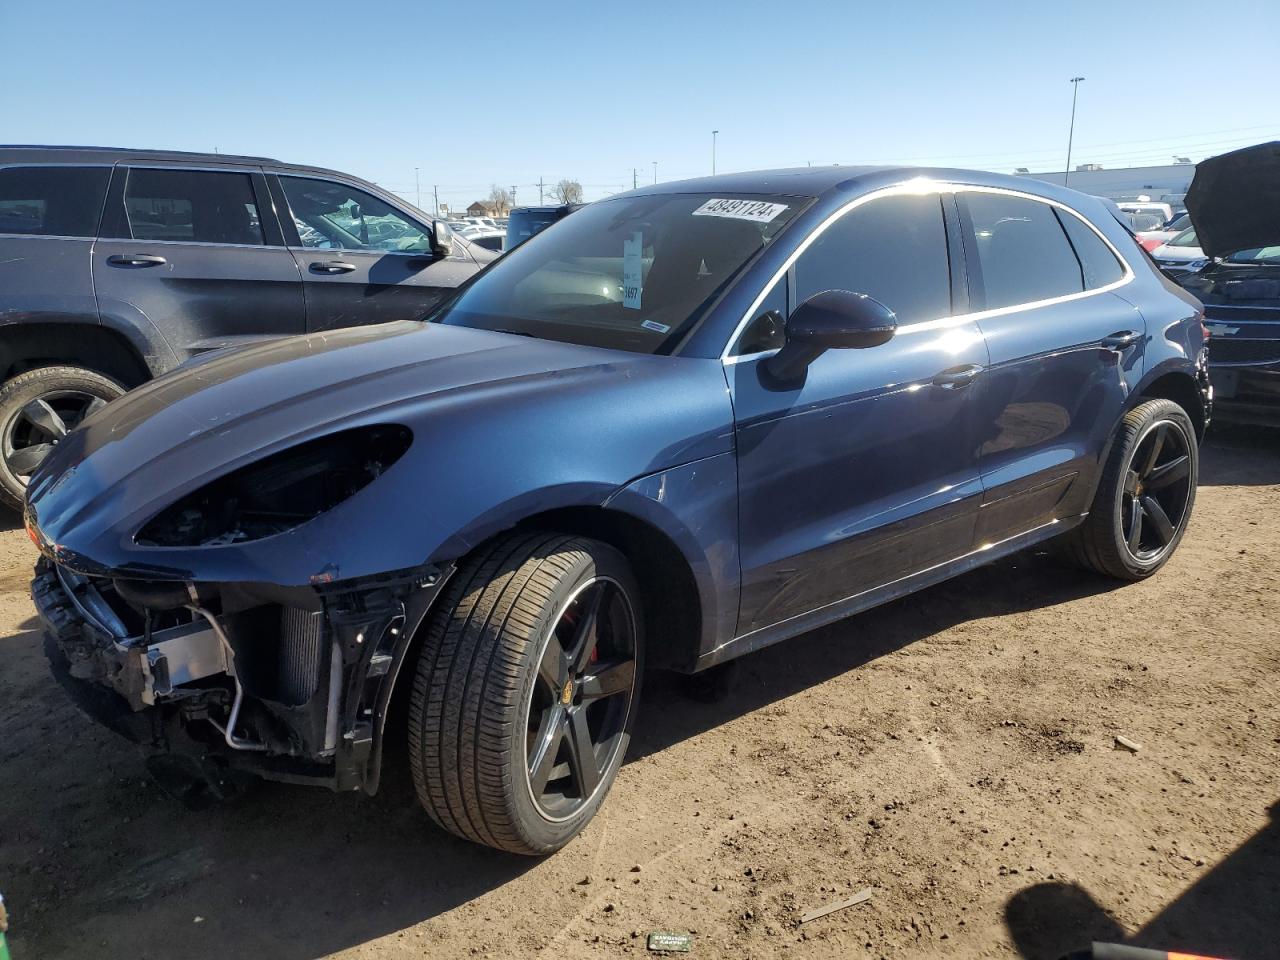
point(767, 636)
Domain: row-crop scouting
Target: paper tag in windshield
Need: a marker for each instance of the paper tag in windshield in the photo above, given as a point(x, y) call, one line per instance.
point(758, 211)
point(632, 270)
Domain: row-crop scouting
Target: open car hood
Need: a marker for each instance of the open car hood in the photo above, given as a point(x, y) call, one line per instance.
point(1234, 200)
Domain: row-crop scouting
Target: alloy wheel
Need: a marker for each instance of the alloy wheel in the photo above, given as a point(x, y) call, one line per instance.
point(33, 431)
point(581, 699)
point(1156, 493)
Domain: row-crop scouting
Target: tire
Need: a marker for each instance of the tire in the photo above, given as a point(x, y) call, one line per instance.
point(37, 408)
point(506, 695)
point(1134, 479)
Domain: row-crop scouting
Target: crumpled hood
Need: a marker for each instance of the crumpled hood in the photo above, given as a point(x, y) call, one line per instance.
point(449, 385)
point(1234, 200)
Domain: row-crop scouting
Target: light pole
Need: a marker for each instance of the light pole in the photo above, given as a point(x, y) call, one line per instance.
point(655, 171)
point(713, 152)
point(1071, 132)
point(417, 190)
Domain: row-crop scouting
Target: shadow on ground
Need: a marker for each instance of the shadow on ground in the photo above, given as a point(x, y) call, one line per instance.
point(1232, 911)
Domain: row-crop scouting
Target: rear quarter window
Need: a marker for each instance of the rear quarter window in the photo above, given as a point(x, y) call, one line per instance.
point(1098, 264)
point(52, 201)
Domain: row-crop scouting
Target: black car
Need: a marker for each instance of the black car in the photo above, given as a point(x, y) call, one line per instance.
point(118, 265)
point(524, 222)
point(683, 424)
point(1234, 203)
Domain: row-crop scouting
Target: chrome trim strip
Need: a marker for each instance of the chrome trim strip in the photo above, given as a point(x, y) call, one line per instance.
point(922, 187)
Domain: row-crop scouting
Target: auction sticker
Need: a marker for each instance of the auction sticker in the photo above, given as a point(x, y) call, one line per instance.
point(758, 211)
point(632, 270)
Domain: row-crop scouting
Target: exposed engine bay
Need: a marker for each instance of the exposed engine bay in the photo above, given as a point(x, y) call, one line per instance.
point(221, 680)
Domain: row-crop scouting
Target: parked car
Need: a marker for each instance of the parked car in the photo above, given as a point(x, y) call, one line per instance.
point(1181, 255)
point(492, 240)
point(1151, 239)
point(686, 423)
point(1235, 205)
point(1163, 211)
point(524, 222)
point(118, 265)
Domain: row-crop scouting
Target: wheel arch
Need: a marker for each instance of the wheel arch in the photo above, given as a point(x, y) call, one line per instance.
point(1179, 386)
point(30, 346)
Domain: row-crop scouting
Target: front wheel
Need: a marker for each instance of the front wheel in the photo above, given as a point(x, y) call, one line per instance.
point(1144, 499)
point(526, 691)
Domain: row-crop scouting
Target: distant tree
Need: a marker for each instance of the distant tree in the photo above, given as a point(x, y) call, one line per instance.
point(499, 200)
point(567, 191)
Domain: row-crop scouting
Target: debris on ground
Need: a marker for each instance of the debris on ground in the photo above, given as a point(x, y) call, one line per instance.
point(663, 941)
point(1124, 743)
point(862, 896)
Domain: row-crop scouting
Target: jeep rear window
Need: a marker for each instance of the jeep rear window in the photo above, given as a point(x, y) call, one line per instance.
point(630, 273)
point(52, 201)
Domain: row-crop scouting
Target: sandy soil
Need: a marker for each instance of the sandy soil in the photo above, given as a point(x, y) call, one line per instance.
point(953, 751)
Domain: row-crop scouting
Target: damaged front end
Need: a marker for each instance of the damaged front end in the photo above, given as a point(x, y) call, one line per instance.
point(219, 681)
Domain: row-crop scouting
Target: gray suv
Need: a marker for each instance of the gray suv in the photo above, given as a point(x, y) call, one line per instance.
point(118, 265)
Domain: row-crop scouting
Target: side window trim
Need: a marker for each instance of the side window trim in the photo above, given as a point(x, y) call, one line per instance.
point(284, 216)
point(350, 186)
point(115, 218)
point(972, 272)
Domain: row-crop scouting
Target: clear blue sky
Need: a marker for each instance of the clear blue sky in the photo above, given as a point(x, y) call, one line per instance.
point(476, 93)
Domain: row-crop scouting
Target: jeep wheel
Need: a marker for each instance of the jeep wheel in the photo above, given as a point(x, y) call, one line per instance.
point(526, 690)
point(37, 409)
point(1144, 500)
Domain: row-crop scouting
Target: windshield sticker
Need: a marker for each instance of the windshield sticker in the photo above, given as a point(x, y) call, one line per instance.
point(655, 325)
point(632, 270)
point(757, 211)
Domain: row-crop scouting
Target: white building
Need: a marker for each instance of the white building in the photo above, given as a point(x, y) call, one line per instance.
point(1168, 183)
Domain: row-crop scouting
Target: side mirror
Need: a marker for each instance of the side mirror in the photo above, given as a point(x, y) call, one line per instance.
point(441, 238)
point(831, 320)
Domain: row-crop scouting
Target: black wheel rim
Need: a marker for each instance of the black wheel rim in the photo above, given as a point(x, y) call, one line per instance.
point(581, 699)
point(32, 432)
point(1157, 489)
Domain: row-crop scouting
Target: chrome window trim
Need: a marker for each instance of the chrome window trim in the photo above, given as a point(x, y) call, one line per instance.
point(921, 186)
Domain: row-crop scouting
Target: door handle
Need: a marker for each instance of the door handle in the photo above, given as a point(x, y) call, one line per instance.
point(1121, 340)
point(957, 377)
point(134, 260)
point(331, 266)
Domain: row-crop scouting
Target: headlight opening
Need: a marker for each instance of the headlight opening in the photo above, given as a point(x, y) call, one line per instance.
point(279, 492)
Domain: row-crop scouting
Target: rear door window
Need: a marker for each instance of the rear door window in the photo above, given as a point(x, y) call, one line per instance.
point(197, 206)
point(1099, 264)
point(893, 249)
point(52, 201)
point(1022, 250)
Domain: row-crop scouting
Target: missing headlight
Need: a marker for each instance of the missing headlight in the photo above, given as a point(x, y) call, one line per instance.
point(279, 492)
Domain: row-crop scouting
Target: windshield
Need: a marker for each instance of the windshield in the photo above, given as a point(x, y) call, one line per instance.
point(1267, 255)
point(632, 273)
point(1187, 238)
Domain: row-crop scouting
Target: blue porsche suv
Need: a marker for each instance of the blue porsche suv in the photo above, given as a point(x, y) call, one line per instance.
point(683, 424)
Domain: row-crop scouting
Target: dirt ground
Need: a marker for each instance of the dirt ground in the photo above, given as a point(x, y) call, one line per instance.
point(953, 751)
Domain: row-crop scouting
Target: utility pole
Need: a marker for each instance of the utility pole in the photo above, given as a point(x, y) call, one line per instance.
point(713, 151)
point(634, 182)
point(540, 191)
point(435, 191)
point(513, 195)
point(1071, 132)
point(417, 190)
point(655, 171)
